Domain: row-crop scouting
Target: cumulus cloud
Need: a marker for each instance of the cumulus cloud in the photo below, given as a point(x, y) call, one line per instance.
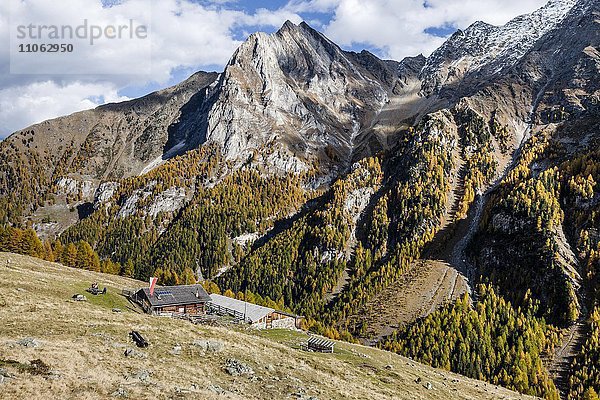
point(36, 102)
point(192, 35)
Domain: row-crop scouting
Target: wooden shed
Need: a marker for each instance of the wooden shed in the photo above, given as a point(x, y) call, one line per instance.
point(318, 344)
point(253, 314)
point(183, 299)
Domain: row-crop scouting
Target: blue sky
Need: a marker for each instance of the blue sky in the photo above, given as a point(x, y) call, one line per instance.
point(315, 19)
point(318, 20)
point(192, 35)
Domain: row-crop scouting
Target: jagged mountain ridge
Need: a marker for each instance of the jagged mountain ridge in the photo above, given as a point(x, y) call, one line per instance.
point(302, 90)
point(297, 93)
point(486, 50)
point(122, 136)
point(297, 89)
point(476, 149)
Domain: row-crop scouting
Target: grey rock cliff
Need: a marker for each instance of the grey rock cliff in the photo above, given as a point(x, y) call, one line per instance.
point(298, 95)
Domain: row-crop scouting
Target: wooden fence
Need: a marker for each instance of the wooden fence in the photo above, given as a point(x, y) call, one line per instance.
point(212, 308)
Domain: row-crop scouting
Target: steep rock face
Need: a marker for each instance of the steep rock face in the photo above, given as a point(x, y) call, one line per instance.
point(540, 69)
point(299, 95)
point(486, 50)
point(65, 159)
point(115, 140)
point(569, 59)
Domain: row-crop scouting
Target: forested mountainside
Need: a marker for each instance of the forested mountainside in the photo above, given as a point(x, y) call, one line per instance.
point(319, 179)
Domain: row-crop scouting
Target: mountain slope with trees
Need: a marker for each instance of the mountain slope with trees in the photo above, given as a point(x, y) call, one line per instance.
point(313, 178)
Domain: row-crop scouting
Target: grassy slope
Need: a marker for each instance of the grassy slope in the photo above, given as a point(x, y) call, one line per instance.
point(83, 342)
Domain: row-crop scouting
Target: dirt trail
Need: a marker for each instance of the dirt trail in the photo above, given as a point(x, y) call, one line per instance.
point(427, 286)
point(559, 365)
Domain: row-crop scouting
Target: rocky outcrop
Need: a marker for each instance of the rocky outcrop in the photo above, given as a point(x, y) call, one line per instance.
point(298, 95)
point(104, 193)
point(75, 187)
point(486, 50)
point(170, 200)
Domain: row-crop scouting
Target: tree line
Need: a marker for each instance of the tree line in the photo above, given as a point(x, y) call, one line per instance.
point(494, 342)
point(76, 255)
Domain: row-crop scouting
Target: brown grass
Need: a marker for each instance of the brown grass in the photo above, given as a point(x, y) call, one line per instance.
point(427, 286)
point(83, 345)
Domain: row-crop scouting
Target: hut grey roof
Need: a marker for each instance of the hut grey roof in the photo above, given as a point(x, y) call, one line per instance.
point(253, 312)
point(176, 295)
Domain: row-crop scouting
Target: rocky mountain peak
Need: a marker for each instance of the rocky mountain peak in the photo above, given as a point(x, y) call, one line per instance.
point(288, 26)
point(298, 94)
point(301, 29)
point(477, 28)
point(489, 49)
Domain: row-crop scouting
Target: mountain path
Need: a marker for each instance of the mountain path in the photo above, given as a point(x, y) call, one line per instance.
point(425, 287)
point(559, 365)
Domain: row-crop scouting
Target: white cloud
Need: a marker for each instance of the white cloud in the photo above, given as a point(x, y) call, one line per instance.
point(22, 106)
point(186, 34)
point(126, 54)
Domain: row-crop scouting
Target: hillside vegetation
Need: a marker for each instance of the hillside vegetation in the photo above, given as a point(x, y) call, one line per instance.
point(317, 180)
point(80, 347)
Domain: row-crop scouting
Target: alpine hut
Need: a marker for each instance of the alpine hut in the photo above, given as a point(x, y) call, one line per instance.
point(183, 299)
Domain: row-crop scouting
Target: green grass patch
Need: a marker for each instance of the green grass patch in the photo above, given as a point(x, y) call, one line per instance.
point(291, 338)
point(112, 298)
point(283, 336)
